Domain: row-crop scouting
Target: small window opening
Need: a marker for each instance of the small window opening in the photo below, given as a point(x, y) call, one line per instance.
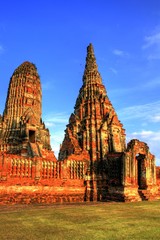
point(32, 136)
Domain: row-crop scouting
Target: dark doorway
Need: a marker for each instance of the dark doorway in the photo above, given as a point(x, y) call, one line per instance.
point(32, 135)
point(140, 171)
point(139, 165)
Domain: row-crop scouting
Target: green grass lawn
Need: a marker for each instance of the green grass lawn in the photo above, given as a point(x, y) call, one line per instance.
point(81, 221)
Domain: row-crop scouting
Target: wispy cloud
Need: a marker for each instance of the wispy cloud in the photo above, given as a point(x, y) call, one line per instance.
point(152, 44)
point(48, 85)
point(150, 84)
point(49, 124)
point(56, 122)
point(145, 134)
point(56, 118)
point(113, 70)
point(148, 115)
point(151, 40)
point(56, 140)
point(156, 118)
point(120, 53)
point(146, 112)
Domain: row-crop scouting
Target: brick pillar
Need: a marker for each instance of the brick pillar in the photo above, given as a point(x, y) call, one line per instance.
point(4, 167)
point(37, 169)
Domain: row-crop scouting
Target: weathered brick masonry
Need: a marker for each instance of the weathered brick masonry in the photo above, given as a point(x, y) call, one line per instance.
point(31, 180)
point(94, 164)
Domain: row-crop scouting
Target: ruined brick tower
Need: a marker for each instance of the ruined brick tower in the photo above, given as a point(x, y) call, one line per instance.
point(21, 128)
point(94, 126)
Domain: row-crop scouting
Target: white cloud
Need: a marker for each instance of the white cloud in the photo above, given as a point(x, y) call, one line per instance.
point(48, 85)
point(147, 134)
point(113, 70)
point(151, 40)
point(146, 112)
point(49, 124)
point(148, 115)
point(156, 118)
point(56, 140)
point(56, 122)
point(152, 45)
point(53, 119)
point(120, 53)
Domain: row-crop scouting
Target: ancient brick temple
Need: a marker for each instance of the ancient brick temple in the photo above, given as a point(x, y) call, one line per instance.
point(94, 164)
point(22, 131)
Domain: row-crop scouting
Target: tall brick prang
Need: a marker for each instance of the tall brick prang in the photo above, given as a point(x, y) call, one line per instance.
point(21, 128)
point(94, 126)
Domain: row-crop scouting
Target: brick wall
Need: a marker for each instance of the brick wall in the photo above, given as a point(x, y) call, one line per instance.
point(38, 180)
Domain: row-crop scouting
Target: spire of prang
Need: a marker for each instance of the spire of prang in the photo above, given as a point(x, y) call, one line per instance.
point(91, 74)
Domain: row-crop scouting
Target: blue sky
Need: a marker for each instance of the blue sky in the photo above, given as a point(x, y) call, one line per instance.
point(54, 35)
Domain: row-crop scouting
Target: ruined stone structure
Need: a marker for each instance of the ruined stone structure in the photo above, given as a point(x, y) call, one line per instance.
point(94, 164)
point(22, 131)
